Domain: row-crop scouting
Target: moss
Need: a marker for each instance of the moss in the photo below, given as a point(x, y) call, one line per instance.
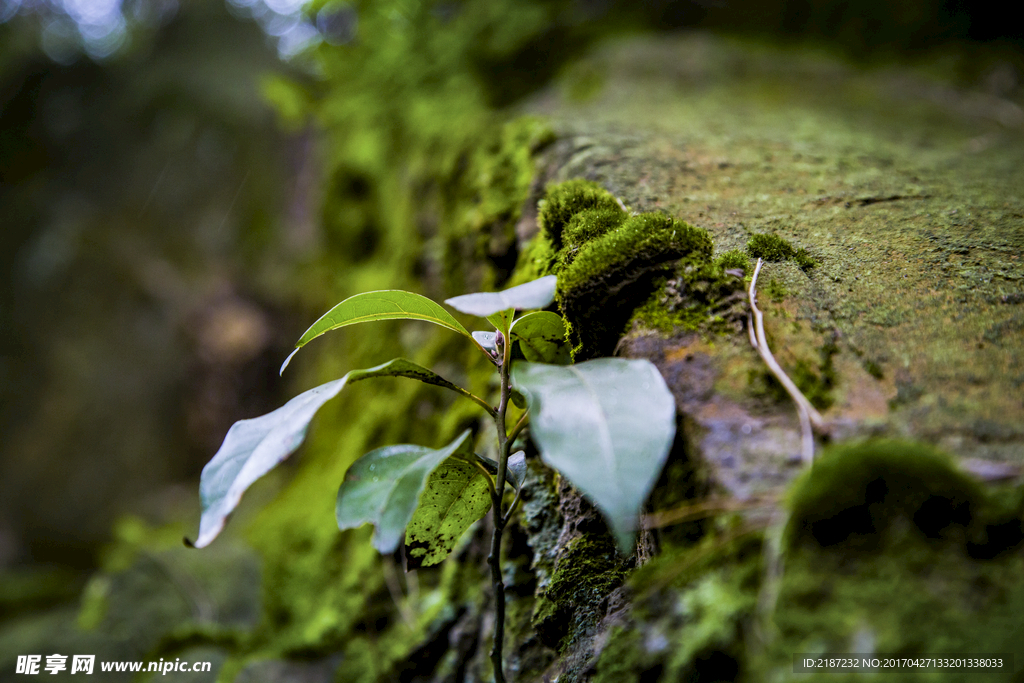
point(624, 658)
point(774, 248)
point(586, 226)
point(890, 544)
point(613, 274)
point(733, 259)
point(587, 570)
point(770, 247)
point(775, 290)
point(563, 200)
point(700, 296)
point(858, 494)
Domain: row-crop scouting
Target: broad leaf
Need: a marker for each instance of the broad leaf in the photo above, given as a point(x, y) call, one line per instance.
point(384, 486)
point(389, 304)
point(456, 495)
point(254, 447)
point(607, 425)
point(541, 337)
point(536, 294)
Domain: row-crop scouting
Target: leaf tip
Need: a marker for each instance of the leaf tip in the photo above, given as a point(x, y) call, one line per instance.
point(288, 360)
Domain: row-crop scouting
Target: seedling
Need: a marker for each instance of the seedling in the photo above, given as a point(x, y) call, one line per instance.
point(606, 424)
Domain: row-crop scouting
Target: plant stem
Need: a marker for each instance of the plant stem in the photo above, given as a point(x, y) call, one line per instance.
point(494, 559)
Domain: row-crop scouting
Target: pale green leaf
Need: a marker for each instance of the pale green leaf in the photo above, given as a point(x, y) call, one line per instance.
point(607, 425)
point(517, 469)
point(456, 495)
point(383, 487)
point(487, 341)
point(536, 294)
point(389, 304)
point(541, 337)
point(254, 447)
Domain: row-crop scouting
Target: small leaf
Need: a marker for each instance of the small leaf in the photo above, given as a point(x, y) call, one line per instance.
point(541, 337)
point(517, 469)
point(456, 495)
point(536, 294)
point(383, 487)
point(607, 425)
point(486, 340)
point(389, 304)
point(254, 447)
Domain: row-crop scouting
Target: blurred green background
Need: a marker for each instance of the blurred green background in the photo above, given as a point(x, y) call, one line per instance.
point(186, 184)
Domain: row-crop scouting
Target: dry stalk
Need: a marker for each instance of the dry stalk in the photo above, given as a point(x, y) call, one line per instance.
point(809, 416)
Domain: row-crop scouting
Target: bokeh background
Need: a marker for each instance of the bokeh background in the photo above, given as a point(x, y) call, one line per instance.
point(177, 203)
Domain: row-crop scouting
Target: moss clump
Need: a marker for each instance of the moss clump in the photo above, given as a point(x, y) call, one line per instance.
point(700, 295)
point(855, 494)
point(770, 247)
point(774, 248)
point(614, 273)
point(564, 200)
point(586, 226)
point(733, 260)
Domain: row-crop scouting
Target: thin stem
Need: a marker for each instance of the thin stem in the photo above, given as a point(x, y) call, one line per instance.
point(494, 559)
point(514, 505)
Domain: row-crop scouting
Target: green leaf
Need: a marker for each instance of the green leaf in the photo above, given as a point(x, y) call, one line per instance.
point(607, 425)
point(456, 495)
point(541, 337)
point(502, 320)
point(254, 447)
point(389, 304)
point(384, 486)
point(536, 294)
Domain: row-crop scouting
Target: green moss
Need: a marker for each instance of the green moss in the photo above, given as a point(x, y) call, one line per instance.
point(733, 259)
point(700, 296)
point(775, 290)
point(587, 570)
point(564, 200)
point(624, 657)
point(585, 226)
point(613, 274)
point(858, 494)
point(770, 247)
point(774, 248)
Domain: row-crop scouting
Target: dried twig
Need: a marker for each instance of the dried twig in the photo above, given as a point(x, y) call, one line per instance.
point(809, 416)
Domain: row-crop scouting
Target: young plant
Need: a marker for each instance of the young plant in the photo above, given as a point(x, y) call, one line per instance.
point(605, 424)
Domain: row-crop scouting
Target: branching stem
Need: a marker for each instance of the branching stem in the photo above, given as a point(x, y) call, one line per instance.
point(494, 559)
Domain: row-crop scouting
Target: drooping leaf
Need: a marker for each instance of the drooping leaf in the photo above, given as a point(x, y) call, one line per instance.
point(456, 495)
point(383, 487)
point(607, 425)
point(389, 304)
point(541, 337)
point(517, 469)
point(536, 294)
point(254, 447)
